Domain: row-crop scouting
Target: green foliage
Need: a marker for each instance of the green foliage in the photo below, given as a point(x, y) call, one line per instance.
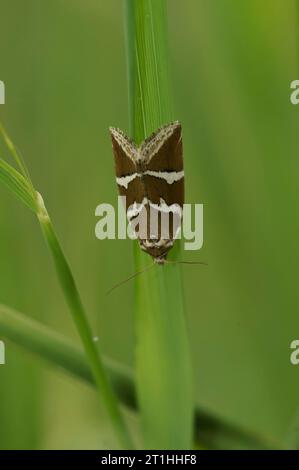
point(23, 189)
point(17, 184)
point(55, 348)
point(232, 63)
point(163, 370)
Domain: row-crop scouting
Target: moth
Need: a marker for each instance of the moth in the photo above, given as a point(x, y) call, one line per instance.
point(151, 177)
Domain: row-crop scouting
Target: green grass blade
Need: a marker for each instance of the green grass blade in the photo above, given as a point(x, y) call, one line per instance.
point(163, 368)
point(55, 348)
point(23, 188)
point(211, 431)
point(17, 184)
point(150, 101)
point(80, 318)
point(16, 156)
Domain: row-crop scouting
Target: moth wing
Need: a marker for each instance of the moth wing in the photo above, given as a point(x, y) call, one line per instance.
point(129, 184)
point(163, 150)
point(164, 176)
point(164, 169)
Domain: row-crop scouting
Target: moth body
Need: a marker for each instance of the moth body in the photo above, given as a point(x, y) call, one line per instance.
point(151, 177)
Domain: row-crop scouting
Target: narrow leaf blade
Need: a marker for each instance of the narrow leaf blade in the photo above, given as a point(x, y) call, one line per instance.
point(17, 185)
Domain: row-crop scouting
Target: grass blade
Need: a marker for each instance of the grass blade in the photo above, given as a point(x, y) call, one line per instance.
point(16, 156)
point(211, 431)
point(80, 318)
point(17, 184)
point(163, 369)
point(55, 348)
point(23, 188)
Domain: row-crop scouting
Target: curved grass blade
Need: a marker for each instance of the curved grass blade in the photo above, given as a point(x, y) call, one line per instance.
point(16, 156)
point(211, 431)
point(22, 187)
point(17, 184)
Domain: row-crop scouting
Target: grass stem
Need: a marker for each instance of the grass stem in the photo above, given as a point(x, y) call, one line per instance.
point(80, 318)
point(22, 187)
point(163, 369)
point(212, 431)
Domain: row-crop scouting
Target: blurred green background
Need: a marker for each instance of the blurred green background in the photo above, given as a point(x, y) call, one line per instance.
point(63, 64)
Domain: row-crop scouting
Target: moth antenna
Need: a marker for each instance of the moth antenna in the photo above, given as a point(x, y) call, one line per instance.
point(186, 262)
point(130, 278)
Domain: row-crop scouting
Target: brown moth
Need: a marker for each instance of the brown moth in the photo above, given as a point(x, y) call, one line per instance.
point(151, 177)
